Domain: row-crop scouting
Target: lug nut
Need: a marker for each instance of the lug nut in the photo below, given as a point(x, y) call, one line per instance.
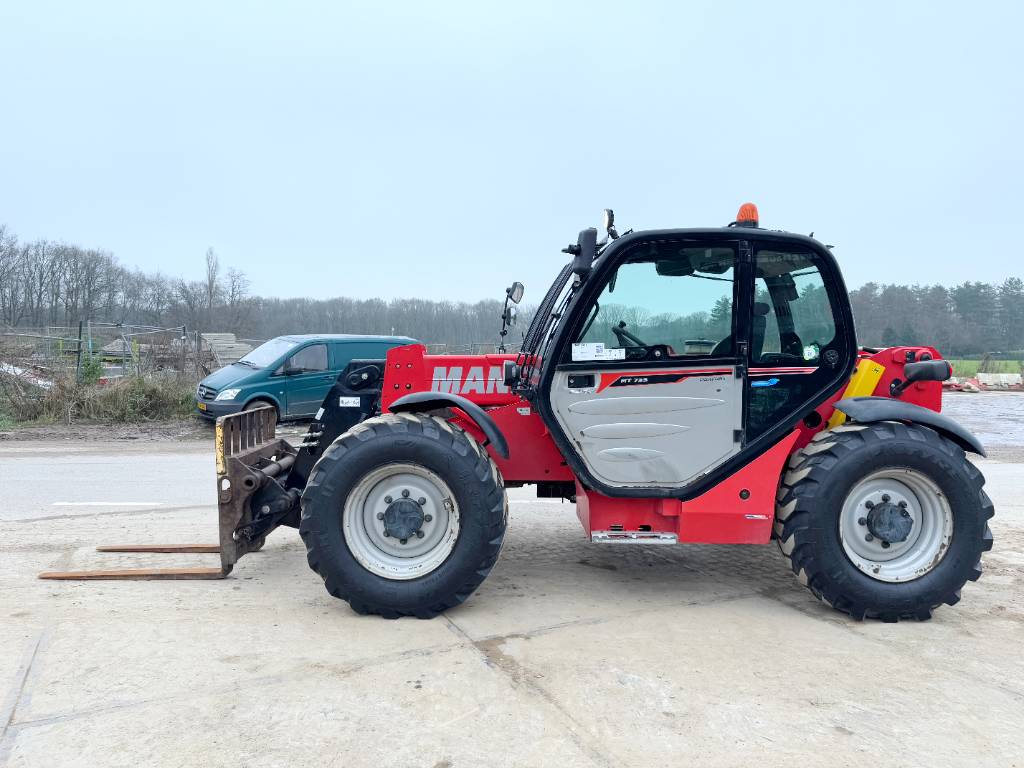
point(419, 534)
point(885, 497)
point(405, 493)
point(427, 518)
point(380, 515)
point(905, 513)
point(862, 521)
point(869, 537)
point(902, 504)
point(421, 501)
point(387, 499)
point(869, 504)
point(386, 534)
point(402, 541)
point(885, 545)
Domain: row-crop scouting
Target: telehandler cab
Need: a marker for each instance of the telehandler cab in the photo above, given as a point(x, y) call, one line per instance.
point(678, 385)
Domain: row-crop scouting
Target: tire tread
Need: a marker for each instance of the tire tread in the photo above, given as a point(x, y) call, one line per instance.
point(797, 511)
point(446, 434)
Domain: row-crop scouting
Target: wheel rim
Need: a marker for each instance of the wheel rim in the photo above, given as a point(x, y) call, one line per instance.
point(408, 499)
point(896, 502)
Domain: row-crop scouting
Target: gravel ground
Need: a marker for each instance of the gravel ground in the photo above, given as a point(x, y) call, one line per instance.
point(191, 429)
point(153, 431)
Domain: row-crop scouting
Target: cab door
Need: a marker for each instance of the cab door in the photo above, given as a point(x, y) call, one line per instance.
point(650, 389)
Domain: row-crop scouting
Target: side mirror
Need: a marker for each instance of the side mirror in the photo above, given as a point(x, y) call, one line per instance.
point(584, 252)
point(609, 224)
point(515, 292)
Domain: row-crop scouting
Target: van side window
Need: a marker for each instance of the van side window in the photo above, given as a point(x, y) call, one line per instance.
point(311, 358)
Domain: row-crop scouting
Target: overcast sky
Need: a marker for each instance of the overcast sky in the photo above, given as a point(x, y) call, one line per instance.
point(444, 149)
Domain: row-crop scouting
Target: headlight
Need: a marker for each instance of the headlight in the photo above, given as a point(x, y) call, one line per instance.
point(227, 394)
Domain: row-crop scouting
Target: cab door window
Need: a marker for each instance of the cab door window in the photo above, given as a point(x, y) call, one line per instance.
point(667, 300)
point(793, 319)
point(794, 345)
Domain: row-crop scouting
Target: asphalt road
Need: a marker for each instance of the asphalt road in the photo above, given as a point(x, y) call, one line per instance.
point(570, 653)
point(51, 479)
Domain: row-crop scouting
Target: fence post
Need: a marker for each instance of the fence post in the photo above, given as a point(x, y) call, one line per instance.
point(184, 351)
point(78, 361)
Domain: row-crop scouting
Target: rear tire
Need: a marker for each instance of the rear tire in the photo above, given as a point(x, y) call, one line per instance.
point(450, 476)
point(824, 530)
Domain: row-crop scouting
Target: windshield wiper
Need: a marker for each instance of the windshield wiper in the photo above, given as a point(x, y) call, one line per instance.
point(247, 362)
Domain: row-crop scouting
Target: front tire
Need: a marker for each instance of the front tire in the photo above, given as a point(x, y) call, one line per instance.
point(885, 520)
point(403, 515)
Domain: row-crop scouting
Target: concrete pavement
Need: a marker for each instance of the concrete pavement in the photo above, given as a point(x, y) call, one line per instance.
point(569, 654)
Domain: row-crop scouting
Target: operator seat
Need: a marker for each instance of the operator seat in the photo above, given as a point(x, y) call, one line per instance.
point(760, 322)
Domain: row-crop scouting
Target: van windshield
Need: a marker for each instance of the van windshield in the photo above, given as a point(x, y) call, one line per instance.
point(267, 353)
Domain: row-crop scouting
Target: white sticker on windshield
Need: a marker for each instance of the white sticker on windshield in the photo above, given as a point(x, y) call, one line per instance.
point(596, 351)
point(348, 402)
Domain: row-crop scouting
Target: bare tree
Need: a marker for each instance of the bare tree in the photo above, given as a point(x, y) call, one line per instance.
point(213, 289)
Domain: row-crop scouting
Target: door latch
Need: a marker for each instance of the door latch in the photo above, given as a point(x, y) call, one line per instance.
point(581, 380)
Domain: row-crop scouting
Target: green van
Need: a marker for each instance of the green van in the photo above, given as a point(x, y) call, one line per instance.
point(291, 373)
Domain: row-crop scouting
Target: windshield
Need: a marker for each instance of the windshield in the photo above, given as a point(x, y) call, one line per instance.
point(267, 353)
point(539, 333)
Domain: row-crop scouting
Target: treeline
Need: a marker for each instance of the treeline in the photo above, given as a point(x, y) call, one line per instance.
point(972, 318)
point(46, 283)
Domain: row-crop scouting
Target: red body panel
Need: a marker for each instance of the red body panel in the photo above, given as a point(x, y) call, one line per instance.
point(927, 394)
point(721, 515)
point(475, 377)
point(718, 516)
point(533, 456)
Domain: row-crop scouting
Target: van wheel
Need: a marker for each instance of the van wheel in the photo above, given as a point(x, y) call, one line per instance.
point(252, 405)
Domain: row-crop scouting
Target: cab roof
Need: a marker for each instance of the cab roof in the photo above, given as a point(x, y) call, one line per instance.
point(726, 233)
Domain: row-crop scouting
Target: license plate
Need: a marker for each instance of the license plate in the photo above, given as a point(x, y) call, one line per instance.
point(202, 406)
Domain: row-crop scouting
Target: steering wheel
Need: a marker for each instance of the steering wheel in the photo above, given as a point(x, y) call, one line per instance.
point(625, 338)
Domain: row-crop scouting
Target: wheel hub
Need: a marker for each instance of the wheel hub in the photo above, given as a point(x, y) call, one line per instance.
point(402, 519)
point(889, 522)
point(895, 524)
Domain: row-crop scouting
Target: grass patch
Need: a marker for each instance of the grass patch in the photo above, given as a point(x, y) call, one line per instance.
point(126, 401)
point(971, 368)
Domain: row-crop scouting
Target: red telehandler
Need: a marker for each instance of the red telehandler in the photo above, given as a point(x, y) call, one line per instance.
point(677, 385)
